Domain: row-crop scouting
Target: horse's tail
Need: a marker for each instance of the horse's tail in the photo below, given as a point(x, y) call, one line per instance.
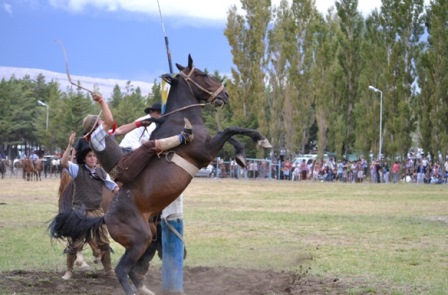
point(66, 197)
point(65, 179)
point(75, 225)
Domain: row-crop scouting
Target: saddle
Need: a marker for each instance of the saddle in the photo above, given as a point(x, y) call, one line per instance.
point(131, 165)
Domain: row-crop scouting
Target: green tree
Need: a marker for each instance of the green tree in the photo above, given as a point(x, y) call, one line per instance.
point(433, 81)
point(327, 80)
point(247, 38)
point(350, 36)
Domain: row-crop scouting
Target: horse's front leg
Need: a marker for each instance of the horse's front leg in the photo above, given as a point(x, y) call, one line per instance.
point(254, 134)
point(240, 154)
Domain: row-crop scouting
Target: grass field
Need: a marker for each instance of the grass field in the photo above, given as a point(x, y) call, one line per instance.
point(394, 235)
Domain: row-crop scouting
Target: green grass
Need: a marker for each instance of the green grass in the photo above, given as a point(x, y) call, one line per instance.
point(383, 234)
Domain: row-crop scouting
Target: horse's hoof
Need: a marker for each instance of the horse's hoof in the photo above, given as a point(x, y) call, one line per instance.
point(84, 266)
point(264, 143)
point(145, 291)
point(241, 161)
point(110, 274)
point(67, 276)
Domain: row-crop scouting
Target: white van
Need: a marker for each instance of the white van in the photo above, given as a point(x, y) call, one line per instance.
point(307, 158)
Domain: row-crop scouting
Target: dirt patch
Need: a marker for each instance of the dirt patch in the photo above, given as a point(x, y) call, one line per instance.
point(438, 218)
point(197, 281)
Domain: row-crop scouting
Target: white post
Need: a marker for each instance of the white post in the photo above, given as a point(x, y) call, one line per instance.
point(381, 119)
point(45, 105)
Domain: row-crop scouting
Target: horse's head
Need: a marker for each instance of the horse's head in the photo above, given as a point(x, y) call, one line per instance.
point(203, 86)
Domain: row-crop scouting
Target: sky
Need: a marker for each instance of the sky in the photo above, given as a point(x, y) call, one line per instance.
point(120, 39)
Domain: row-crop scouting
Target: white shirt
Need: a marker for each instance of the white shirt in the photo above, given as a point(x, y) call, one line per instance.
point(135, 138)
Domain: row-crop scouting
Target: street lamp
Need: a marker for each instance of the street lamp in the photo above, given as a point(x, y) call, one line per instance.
point(381, 118)
point(45, 105)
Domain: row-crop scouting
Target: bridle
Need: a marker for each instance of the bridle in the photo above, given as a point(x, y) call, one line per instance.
point(213, 95)
point(188, 79)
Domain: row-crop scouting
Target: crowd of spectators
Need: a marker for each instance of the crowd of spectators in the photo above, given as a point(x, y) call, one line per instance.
point(417, 170)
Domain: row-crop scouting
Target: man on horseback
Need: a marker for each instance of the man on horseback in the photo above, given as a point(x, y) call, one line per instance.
point(125, 168)
point(34, 157)
point(87, 197)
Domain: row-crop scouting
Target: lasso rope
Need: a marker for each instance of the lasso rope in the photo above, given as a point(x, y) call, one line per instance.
point(77, 85)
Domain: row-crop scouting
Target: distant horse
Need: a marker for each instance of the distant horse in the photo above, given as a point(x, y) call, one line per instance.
point(38, 168)
point(29, 173)
point(16, 165)
point(3, 166)
point(55, 167)
point(154, 188)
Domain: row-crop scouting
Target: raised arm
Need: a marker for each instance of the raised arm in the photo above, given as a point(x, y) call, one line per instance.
point(108, 122)
point(66, 155)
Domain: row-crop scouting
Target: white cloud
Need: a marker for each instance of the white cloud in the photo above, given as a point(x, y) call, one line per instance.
point(8, 8)
point(105, 85)
point(197, 9)
point(205, 10)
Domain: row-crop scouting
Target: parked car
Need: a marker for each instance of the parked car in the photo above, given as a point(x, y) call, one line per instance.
point(205, 172)
point(307, 158)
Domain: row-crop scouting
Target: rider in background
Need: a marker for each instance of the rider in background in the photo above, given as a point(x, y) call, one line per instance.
point(135, 138)
point(34, 157)
point(88, 194)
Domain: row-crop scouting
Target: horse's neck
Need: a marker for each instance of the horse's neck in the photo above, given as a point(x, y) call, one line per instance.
point(183, 104)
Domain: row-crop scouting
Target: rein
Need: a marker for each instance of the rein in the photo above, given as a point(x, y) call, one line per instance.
point(184, 108)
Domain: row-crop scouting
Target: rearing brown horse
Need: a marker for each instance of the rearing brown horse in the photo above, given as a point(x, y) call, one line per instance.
point(162, 181)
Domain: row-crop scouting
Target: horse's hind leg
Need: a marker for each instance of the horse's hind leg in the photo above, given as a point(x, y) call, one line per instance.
point(125, 267)
point(139, 270)
point(128, 228)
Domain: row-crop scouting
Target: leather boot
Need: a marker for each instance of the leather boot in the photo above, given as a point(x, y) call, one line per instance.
point(70, 262)
point(107, 264)
point(184, 136)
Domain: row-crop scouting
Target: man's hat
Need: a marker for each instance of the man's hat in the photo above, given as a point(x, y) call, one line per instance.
point(89, 122)
point(82, 148)
point(157, 106)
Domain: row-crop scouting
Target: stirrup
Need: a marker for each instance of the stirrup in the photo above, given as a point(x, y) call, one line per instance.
point(187, 133)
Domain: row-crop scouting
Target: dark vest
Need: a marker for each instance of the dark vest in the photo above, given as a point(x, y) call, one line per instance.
point(110, 156)
point(88, 189)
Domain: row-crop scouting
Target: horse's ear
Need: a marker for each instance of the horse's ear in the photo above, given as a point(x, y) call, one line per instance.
point(168, 78)
point(190, 61)
point(180, 67)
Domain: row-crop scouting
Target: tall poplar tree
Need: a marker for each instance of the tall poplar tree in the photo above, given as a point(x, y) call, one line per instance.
point(433, 81)
point(403, 21)
point(246, 35)
point(327, 79)
point(367, 109)
point(281, 41)
point(350, 37)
